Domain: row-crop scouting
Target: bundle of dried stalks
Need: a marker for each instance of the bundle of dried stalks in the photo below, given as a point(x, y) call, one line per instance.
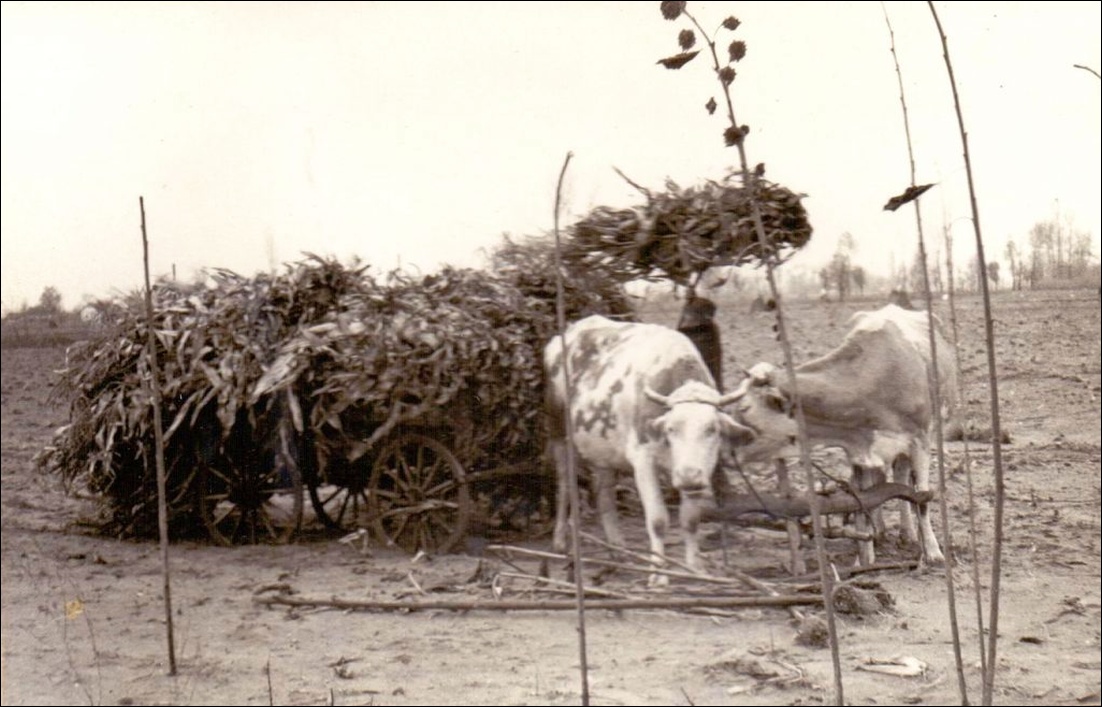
point(346, 357)
point(681, 232)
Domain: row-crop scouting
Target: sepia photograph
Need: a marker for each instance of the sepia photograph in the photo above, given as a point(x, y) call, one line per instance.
point(501, 353)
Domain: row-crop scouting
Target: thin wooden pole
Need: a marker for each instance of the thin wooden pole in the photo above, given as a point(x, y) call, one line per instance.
point(992, 379)
point(571, 467)
point(934, 383)
point(963, 422)
point(159, 445)
point(750, 183)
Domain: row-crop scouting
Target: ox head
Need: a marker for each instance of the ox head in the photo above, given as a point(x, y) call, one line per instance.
point(768, 411)
point(695, 429)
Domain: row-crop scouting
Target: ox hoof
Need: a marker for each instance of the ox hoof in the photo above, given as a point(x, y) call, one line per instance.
point(933, 561)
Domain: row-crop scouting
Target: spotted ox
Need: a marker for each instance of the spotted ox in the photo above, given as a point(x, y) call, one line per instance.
point(643, 402)
point(870, 397)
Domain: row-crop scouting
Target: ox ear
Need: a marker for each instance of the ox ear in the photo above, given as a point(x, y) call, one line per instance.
point(736, 434)
point(777, 402)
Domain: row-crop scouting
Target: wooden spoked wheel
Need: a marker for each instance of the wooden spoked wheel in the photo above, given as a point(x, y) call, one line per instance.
point(418, 495)
point(342, 506)
point(253, 505)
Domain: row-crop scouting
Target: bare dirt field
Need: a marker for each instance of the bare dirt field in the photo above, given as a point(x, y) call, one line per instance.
point(84, 622)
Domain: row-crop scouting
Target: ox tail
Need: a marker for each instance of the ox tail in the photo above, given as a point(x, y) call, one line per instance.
point(949, 385)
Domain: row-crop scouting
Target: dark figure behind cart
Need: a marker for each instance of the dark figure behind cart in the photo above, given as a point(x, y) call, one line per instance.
point(699, 324)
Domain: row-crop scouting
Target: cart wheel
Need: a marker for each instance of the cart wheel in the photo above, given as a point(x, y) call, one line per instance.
point(342, 507)
point(418, 497)
point(250, 508)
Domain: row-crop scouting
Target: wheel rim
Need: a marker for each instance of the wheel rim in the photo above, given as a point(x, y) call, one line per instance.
point(418, 496)
point(342, 506)
point(244, 507)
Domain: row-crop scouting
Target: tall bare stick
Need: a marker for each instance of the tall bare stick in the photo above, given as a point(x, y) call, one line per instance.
point(934, 384)
point(158, 444)
point(750, 182)
point(972, 530)
point(993, 382)
point(571, 468)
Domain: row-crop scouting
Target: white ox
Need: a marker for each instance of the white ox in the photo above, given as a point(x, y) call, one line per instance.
point(870, 397)
point(643, 402)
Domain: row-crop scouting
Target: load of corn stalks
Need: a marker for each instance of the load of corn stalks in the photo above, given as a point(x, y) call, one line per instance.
point(681, 232)
point(346, 356)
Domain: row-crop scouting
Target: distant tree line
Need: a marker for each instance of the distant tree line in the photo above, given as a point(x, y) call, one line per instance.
point(46, 323)
point(1055, 255)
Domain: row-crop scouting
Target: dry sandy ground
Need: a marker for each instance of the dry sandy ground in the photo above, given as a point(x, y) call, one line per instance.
point(84, 620)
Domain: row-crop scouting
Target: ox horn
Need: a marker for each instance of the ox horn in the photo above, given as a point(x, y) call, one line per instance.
point(656, 396)
point(734, 396)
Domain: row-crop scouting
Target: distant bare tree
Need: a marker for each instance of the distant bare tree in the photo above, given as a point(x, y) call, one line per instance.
point(1057, 251)
point(1014, 259)
point(933, 267)
point(915, 275)
point(993, 273)
point(1040, 250)
point(935, 274)
point(838, 273)
point(1080, 253)
point(969, 279)
point(50, 301)
point(858, 275)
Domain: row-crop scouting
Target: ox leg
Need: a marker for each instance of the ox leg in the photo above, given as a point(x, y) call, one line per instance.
point(559, 451)
point(920, 457)
point(562, 498)
point(903, 473)
point(605, 480)
point(689, 519)
point(721, 487)
point(656, 515)
point(797, 565)
point(866, 550)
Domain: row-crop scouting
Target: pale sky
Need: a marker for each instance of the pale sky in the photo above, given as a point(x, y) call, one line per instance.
point(418, 133)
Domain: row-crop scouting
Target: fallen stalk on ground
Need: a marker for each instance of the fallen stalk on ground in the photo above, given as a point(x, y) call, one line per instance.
point(548, 604)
